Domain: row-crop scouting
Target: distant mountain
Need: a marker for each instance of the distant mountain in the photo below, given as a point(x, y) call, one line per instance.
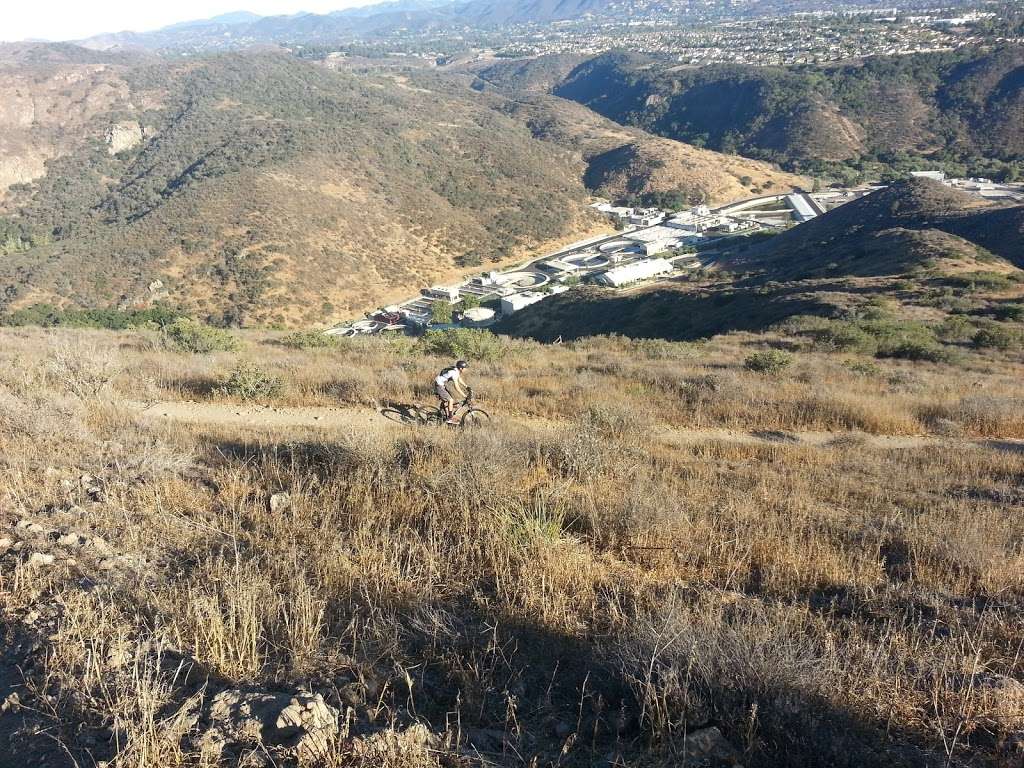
point(948, 107)
point(258, 188)
point(907, 225)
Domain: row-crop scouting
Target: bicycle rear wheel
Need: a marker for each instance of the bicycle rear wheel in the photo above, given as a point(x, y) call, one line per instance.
point(475, 418)
point(401, 415)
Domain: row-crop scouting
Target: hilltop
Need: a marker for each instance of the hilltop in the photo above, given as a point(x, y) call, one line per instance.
point(257, 188)
point(847, 119)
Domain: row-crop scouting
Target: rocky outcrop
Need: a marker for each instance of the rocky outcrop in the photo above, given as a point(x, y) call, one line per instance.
point(123, 136)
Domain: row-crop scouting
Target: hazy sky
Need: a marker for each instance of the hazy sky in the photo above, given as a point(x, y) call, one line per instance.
point(73, 19)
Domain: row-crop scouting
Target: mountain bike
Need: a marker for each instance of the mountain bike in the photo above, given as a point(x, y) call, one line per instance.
point(466, 414)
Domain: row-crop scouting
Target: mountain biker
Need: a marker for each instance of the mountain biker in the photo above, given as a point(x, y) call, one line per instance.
point(453, 376)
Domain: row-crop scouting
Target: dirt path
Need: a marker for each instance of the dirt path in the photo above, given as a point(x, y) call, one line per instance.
point(260, 416)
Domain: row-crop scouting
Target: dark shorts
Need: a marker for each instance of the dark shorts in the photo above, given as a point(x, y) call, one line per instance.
point(444, 394)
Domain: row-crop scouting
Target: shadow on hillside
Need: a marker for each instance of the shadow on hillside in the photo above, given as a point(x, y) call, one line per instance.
point(671, 313)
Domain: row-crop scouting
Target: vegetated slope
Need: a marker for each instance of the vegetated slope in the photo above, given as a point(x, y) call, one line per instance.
point(258, 188)
point(891, 231)
point(623, 162)
point(948, 107)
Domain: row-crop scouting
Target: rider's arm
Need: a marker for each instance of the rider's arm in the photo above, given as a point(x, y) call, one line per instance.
point(461, 390)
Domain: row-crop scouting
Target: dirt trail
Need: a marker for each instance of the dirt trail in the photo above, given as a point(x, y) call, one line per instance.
point(260, 416)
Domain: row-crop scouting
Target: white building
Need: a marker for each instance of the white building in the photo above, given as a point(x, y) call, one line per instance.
point(933, 175)
point(646, 217)
point(445, 292)
point(517, 301)
point(635, 272)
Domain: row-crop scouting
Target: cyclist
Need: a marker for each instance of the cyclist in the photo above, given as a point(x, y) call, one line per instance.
point(453, 376)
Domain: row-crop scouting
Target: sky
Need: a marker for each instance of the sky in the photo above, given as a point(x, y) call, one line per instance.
point(75, 19)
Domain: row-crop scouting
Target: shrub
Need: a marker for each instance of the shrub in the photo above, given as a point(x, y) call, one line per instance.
point(917, 349)
point(191, 336)
point(250, 382)
point(863, 368)
point(469, 301)
point(955, 328)
point(770, 361)
point(981, 280)
point(309, 340)
point(846, 337)
point(440, 312)
point(469, 343)
point(1009, 312)
point(994, 336)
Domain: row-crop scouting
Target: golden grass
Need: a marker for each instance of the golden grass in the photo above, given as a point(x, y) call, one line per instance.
point(568, 581)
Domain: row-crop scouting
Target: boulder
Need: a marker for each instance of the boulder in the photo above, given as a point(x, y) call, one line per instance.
point(303, 724)
point(708, 746)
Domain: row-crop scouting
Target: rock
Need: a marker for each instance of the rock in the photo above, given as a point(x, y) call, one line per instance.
point(26, 527)
point(303, 723)
point(99, 544)
point(1001, 701)
point(72, 540)
point(279, 502)
point(708, 745)
point(419, 735)
point(11, 704)
point(40, 559)
point(352, 694)
point(123, 136)
point(6, 543)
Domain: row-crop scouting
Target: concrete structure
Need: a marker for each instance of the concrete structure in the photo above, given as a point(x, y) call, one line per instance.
point(444, 292)
point(517, 301)
point(802, 209)
point(478, 317)
point(635, 272)
point(646, 217)
point(933, 175)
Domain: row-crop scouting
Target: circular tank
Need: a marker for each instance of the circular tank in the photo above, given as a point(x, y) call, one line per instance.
point(478, 317)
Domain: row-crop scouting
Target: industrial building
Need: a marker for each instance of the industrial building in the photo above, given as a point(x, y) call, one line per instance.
point(635, 272)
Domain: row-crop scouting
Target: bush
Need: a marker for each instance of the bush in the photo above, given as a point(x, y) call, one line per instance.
point(192, 336)
point(1009, 312)
point(770, 361)
point(440, 312)
point(956, 328)
point(309, 340)
point(846, 337)
point(994, 336)
point(250, 382)
point(917, 349)
point(461, 342)
point(469, 301)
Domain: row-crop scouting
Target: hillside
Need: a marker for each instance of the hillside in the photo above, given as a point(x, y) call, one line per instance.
point(623, 162)
point(963, 108)
point(656, 557)
point(256, 188)
point(908, 225)
point(933, 254)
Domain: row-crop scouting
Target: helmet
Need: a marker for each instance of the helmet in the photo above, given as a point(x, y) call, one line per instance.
point(462, 364)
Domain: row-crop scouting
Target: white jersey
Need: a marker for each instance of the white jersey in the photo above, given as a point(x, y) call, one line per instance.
point(448, 374)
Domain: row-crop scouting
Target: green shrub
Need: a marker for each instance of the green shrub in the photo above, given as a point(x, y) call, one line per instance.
point(249, 382)
point(863, 368)
point(981, 281)
point(1009, 312)
point(191, 336)
point(770, 361)
point(846, 337)
point(992, 336)
point(917, 349)
point(309, 340)
point(440, 312)
point(469, 301)
point(955, 328)
point(466, 343)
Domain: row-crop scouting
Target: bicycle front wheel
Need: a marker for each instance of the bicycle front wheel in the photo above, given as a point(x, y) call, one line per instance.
point(475, 418)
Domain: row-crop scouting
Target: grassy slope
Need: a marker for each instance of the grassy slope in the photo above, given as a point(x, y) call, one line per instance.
point(273, 190)
point(823, 606)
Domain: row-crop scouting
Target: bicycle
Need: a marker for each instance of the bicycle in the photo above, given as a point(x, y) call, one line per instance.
point(466, 413)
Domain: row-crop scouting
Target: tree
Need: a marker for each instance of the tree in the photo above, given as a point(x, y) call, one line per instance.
point(470, 301)
point(440, 312)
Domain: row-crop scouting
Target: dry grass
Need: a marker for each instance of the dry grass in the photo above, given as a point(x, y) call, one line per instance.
point(563, 591)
